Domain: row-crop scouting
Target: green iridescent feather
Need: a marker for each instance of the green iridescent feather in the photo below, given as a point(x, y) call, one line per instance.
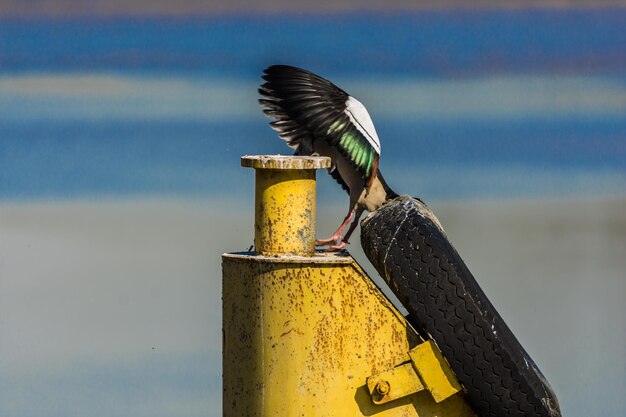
point(359, 151)
point(355, 146)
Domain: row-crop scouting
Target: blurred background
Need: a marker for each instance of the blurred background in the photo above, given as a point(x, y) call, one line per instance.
point(121, 129)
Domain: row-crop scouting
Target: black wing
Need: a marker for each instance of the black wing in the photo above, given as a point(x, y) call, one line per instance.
point(306, 107)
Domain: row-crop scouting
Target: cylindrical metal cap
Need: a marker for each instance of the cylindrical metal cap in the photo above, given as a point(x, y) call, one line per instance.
point(285, 162)
point(284, 222)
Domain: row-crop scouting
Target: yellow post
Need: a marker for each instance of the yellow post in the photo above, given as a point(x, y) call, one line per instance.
point(305, 334)
point(284, 203)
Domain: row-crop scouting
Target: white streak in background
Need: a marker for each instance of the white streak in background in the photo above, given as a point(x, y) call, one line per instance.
point(101, 96)
point(498, 97)
point(124, 97)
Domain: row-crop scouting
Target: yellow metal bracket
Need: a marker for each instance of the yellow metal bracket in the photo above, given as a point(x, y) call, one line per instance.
point(427, 370)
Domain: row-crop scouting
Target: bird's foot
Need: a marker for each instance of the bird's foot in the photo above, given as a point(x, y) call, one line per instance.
point(338, 247)
point(336, 242)
point(330, 241)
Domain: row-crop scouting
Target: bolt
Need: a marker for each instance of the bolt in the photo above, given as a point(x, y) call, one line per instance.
point(382, 388)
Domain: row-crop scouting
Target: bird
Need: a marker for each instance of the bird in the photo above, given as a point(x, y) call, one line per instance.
point(315, 117)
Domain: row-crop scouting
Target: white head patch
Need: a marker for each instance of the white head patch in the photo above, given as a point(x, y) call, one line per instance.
point(361, 119)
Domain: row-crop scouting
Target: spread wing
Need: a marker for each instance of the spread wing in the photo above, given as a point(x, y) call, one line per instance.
point(306, 107)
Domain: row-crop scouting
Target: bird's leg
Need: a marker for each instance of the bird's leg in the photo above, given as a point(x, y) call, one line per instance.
point(344, 241)
point(355, 222)
point(337, 235)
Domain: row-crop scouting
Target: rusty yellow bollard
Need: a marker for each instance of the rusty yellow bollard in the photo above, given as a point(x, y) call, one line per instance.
point(309, 334)
point(284, 203)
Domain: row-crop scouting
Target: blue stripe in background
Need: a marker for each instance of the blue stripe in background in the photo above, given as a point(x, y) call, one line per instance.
point(425, 44)
point(52, 160)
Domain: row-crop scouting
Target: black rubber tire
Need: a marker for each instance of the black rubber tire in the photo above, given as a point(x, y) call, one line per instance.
point(408, 247)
